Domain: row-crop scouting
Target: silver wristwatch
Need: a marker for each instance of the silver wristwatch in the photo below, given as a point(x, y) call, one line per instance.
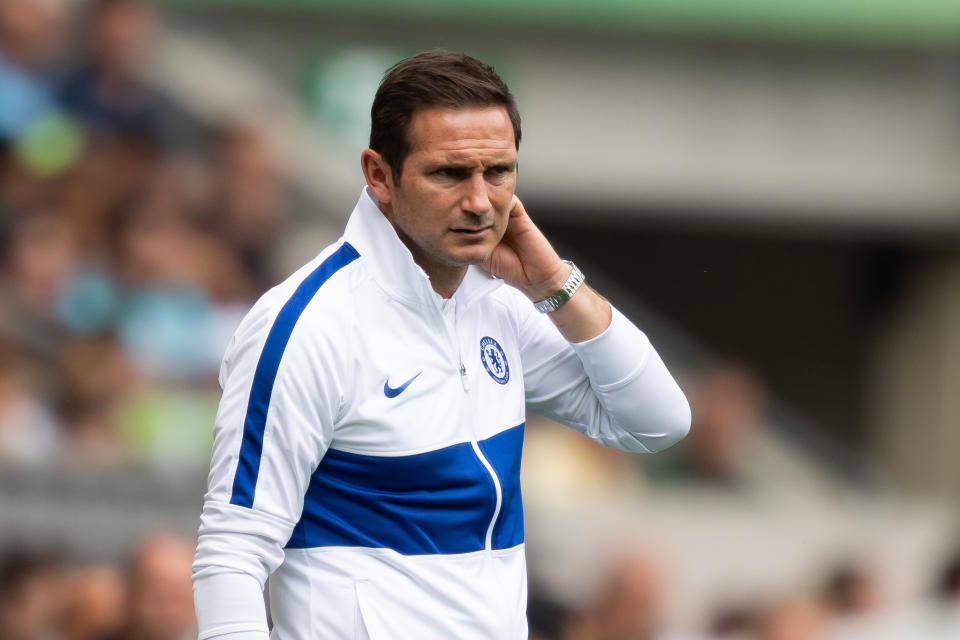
point(557, 300)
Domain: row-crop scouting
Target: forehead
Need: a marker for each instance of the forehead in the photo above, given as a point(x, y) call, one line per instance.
point(441, 131)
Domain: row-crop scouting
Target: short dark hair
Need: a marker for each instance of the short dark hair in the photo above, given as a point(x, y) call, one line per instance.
point(436, 78)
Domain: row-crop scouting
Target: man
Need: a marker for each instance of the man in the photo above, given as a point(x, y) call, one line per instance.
point(367, 446)
point(159, 606)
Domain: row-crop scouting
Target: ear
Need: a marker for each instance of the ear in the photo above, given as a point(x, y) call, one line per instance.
point(378, 174)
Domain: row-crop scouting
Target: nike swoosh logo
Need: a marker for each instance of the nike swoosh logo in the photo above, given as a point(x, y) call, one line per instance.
point(393, 392)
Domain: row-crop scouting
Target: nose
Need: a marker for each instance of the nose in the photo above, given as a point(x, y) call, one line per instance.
point(477, 198)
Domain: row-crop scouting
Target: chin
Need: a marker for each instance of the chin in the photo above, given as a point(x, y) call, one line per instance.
point(464, 256)
point(467, 260)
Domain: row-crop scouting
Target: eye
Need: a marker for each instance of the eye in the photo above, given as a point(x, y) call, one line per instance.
point(450, 173)
point(499, 170)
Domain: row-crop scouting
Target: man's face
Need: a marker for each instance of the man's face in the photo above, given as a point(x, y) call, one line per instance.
point(453, 200)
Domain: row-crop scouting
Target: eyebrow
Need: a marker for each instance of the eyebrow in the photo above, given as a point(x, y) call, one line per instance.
point(467, 166)
point(459, 166)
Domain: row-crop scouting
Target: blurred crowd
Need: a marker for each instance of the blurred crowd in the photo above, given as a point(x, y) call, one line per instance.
point(132, 239)
point(850, 604)
point(43, 596)
point(723, 458)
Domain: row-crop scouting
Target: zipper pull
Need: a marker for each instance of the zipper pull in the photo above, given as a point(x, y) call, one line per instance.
point(463, 377)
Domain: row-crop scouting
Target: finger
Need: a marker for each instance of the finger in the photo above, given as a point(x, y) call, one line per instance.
point(516, 207)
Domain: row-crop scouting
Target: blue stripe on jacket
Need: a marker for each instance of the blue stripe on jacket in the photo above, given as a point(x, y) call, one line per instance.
point(251, 447)
point(438, 502)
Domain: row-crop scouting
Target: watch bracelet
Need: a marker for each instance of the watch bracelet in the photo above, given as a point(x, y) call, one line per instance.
point(557, 300)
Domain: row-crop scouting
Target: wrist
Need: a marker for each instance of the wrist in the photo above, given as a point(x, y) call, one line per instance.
point(564, 293)
point(551, 285)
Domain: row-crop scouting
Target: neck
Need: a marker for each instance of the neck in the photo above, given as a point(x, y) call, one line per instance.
point(448, 290)
point(444, 278)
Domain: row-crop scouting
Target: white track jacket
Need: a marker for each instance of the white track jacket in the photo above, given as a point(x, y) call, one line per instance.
point(367, 447)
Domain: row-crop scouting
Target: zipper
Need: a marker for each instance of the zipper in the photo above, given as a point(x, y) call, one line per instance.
point(448, 312)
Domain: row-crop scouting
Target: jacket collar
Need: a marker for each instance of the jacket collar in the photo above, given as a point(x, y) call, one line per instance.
point(392, 265)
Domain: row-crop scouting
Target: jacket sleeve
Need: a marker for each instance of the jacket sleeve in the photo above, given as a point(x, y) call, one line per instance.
point(273, 425)
point(613, 388)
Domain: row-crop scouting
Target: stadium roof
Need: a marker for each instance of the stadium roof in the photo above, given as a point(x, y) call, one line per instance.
point(926, 22)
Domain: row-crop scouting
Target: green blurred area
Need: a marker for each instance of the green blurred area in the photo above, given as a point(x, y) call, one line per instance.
point(880, 21)
point(172, 428)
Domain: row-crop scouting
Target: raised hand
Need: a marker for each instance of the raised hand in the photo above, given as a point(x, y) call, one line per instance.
point(525, 259)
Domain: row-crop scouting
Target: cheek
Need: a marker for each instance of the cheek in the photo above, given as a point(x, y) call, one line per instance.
point(426, 201)
point(422, 220)
point(502, 195)
point(501, 223)
point(502, 204)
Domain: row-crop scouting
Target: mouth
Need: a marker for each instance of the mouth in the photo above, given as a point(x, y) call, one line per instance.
point(471, 232)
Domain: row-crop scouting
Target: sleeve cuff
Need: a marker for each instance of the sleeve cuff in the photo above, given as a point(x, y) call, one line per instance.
point(229, 605)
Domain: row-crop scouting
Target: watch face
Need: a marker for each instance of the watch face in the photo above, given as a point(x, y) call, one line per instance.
point(548, 305)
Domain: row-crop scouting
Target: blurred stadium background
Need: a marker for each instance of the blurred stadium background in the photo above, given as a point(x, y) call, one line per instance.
point(771, 188)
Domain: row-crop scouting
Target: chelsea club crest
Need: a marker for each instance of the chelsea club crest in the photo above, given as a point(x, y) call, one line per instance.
point(494, 360)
